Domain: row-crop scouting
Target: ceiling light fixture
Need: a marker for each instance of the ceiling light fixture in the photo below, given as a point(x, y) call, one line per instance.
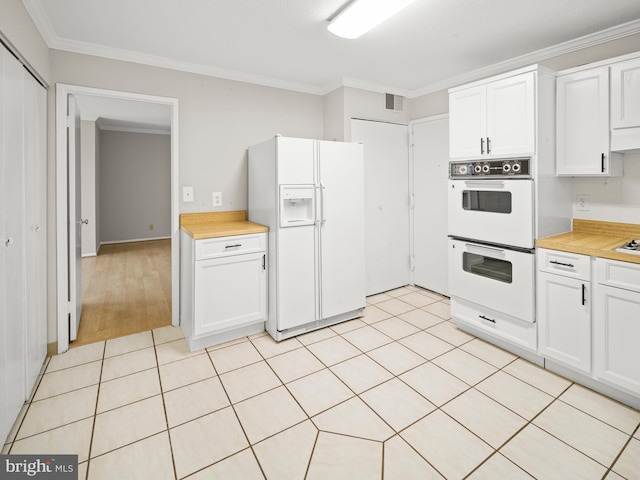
point(362, 15)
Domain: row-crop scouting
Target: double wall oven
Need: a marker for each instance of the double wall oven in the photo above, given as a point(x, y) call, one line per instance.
point(491, 248)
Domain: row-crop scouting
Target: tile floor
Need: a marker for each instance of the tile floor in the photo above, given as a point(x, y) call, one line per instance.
point(398, 394)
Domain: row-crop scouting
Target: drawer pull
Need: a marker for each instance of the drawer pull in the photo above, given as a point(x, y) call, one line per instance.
point(487, 319)
point(234, 246)
point(563, 264)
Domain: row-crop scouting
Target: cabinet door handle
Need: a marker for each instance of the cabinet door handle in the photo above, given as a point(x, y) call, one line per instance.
point(487, 319)
point(584, 294)
point(488, 145)
point(481, 146)
point(602, 163)
point(264, 262)
point(555, 262)
point(234, 246)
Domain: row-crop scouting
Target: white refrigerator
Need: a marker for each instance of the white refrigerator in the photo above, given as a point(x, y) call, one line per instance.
point(310, 193)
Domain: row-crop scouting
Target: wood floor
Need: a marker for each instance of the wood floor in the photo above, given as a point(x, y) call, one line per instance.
point(126, 289)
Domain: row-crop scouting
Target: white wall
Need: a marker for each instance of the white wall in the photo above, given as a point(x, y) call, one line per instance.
point(369, 106)
point(88, 187)
point(135, 186)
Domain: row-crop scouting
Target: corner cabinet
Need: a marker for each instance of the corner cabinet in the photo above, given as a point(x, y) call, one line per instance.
point(617, 324)
point(494, 119)
point(583, 134)
point(564, 308)
point(223, 292)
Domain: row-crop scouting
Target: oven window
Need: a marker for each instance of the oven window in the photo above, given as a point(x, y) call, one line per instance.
point(488, 267)
point(486, 201)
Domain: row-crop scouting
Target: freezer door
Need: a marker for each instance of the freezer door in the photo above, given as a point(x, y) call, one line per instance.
point(341, 255)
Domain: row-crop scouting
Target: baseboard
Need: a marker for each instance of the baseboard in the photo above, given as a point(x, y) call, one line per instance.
point(52, 349)
point(135, 240)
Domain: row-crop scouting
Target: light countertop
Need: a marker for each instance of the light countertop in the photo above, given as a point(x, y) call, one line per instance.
point(595, 238)
point(218, 224)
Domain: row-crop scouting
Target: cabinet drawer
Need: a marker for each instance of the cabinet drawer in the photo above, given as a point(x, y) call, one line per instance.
point(226, 246)
point(618, 274)
point(563, 263)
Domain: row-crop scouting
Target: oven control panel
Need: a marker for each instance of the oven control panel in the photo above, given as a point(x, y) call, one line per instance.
point(509, 167)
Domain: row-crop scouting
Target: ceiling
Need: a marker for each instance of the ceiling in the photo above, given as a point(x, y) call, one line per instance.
point(430, 45)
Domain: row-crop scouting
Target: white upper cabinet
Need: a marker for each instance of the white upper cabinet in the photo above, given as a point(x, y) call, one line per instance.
point(582, 139)
point(494, 119)
point(625, 94)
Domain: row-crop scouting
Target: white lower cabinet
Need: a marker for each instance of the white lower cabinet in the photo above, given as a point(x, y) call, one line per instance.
point(617, 324)
point(564, 309)
point(223, 288)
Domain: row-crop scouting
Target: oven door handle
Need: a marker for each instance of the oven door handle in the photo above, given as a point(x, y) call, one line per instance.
point(484, 247)
point(485, 183)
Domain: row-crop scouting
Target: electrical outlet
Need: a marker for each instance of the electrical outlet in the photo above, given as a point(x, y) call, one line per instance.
point(217, 199)
point(187, 194)
point(583, 202)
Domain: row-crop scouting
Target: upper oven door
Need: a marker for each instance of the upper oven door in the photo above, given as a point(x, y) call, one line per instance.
point(492, 210)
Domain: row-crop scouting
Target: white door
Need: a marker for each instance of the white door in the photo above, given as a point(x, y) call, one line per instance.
point(342, 259)
point(386, 197)
point(74, 233)
point(430, 147)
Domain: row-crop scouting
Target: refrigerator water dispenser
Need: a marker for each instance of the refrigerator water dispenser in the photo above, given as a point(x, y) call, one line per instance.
point(296, 205)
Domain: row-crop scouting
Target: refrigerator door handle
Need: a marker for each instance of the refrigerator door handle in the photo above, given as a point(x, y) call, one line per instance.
point(323, 210)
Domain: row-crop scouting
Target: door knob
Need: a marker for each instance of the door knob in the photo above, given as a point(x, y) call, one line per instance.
point(85, 221)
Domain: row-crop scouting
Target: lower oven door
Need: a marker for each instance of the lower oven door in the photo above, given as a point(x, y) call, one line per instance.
point(492, 210)
point(496, 277)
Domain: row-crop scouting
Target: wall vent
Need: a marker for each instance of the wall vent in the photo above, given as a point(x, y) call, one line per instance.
point(393, 102)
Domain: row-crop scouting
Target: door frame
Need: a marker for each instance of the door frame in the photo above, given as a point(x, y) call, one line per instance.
point(62, 186)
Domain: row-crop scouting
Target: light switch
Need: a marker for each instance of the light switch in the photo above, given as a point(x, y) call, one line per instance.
point(217, 199)
point(187, 194)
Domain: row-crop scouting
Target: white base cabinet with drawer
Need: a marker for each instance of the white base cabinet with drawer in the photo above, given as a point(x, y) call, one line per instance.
point(223, 292)
point(564, 308)
point(617, 324)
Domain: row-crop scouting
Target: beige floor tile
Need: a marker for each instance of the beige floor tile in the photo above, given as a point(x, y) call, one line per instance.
point(129, 343)
point(73, 378)
point(546, 458)
point(235, 356)
point(193, 401)
point(345, 327)
point(319, 391)
point(417, 299)
point(426, 345)
point(380, 297)
point(485, 417)
point(219, 346)
point(148, 458)
point(132, 388)
point(128, 424)
point(466, 367)
point(263, 333)
point(242, 465)
point(16, 424)
point(333, 350)
point(183, 372)
point(445, 444)
point(434, 295)
point(609, 411)
point(401, 462)
point(207, 440)
point(537, 376)
point(294, 364)
point(337, 457)
point(367, 338)
point(128, 363)
point(166, 334)
point(174, 351)
point(396, 328)
point(268, 347)
point(489, 353)
point(268, 414)
point(394, 306)
point(295, 444)
point(373, 314)
point(448, 332)
point(68, 407)
point(396, 358)
point(628, 465)
point(76, 356)
point(82, 470)
point(421, 319)
point(398, 404)
point(637, 434)
point(614, 476)
point(433, 383)
point(73, 439)
point(592, 437)
point(248, 381)
point(499, 467)
point(440, 309)
point(361, 373)
point(355, 419)
point(398, 292)
point(316, 336)
point(522, 398)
